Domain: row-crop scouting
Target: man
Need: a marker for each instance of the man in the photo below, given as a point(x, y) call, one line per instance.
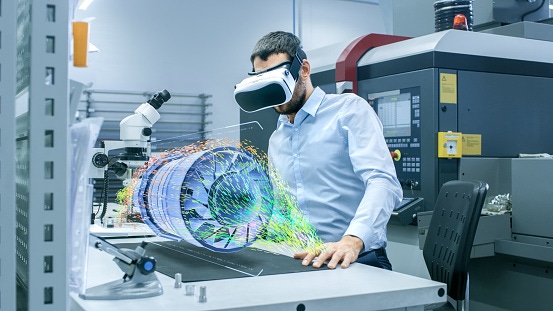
point(331, 152)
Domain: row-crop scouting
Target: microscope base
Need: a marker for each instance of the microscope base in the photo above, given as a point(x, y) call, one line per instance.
point(120, 289)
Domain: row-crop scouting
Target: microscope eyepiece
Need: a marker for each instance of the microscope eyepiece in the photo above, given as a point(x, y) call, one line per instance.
point(159, 98)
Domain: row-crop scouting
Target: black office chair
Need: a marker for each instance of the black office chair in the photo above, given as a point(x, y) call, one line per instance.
point(450, 236)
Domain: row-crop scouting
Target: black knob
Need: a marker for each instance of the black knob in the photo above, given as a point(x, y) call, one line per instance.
point(100, 160)
point(146, 265)
point(412, 183)
point(146, 131)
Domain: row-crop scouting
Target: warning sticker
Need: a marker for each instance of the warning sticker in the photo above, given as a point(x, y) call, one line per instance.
point(472, 144)
point(448, 88)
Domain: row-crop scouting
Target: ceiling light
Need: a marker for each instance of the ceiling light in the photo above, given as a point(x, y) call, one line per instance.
point(83, 4)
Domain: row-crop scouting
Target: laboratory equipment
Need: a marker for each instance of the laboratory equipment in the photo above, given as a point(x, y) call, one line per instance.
point(139, 280)
point(135, 132)
point(134, 147)
point(178, 280)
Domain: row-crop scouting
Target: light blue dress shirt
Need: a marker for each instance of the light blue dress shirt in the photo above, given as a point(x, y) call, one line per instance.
point(335, 161)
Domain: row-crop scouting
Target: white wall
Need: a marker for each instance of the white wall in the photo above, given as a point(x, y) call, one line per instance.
point(414, 18)
point(203, 46)
point(410, 18)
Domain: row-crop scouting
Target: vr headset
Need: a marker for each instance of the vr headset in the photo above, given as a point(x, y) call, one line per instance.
point(269, 87)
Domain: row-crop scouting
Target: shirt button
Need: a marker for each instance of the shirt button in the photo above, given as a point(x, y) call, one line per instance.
point(295, 129)
point(295, 155)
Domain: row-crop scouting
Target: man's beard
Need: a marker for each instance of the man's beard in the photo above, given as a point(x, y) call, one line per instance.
point(295, 103)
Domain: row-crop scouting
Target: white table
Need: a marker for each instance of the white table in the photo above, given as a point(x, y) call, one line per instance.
point(358, 287)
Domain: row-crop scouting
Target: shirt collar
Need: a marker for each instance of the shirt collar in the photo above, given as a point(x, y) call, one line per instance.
point(310, 107)
point(314, 101)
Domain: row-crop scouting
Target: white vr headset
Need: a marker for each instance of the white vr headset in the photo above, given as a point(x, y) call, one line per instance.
point(270, 87)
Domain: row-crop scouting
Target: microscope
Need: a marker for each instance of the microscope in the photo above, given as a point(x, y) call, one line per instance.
point(139, 280)
point(122, 157)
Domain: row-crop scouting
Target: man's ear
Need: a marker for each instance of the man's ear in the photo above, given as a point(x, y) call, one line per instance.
point(305, 68)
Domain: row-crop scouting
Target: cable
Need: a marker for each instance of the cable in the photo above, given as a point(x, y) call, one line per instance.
point(95, 213)
point(532, 11)
point(99, 204)
point(105, 196)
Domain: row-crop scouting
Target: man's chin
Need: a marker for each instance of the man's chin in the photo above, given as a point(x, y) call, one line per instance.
point(281, 109)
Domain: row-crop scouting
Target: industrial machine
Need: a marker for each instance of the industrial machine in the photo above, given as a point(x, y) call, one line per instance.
point(466, 105)
point(460, 105)
point(455, 94)
point(451, 98)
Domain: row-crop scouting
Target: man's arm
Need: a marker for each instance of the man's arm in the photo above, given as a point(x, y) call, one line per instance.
point(373, 164)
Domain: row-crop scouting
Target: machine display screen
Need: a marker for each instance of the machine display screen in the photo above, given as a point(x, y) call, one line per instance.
point(395, 114)
point(399, 111)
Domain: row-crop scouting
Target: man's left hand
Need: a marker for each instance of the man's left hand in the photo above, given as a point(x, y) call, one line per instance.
point(345, 251)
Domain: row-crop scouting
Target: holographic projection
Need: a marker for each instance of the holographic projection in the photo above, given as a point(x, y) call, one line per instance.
point(221, 195)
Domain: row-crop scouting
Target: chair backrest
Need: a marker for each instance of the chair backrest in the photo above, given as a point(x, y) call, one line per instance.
point(451, 233)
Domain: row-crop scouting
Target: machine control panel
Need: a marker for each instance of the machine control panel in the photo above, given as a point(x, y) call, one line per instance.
point(400, 111)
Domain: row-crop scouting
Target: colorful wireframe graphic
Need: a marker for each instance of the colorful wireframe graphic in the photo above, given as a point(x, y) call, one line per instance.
point(220, 195)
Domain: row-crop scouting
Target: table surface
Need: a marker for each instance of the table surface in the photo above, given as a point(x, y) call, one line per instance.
point(358, 287)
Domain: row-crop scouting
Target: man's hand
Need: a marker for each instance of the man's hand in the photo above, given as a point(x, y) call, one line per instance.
point(345, 251)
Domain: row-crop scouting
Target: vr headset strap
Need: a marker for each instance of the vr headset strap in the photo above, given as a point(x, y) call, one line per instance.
point(296, 63)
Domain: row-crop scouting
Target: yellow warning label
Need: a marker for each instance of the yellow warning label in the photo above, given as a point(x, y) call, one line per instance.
point(448, 88)
point(472, 144)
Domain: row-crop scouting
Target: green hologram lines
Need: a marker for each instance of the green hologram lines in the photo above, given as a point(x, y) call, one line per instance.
point(242, 198)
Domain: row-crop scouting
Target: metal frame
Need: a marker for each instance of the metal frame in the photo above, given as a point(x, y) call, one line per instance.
point(183, 114)
point(44, 157)
point(8, 52)
point(43, 164)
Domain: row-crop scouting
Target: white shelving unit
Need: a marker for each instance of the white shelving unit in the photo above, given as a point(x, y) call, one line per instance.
point(8, 73)
point(35, 172)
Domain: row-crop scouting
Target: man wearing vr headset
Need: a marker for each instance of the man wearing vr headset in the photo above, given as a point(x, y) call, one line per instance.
point(331, 152)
